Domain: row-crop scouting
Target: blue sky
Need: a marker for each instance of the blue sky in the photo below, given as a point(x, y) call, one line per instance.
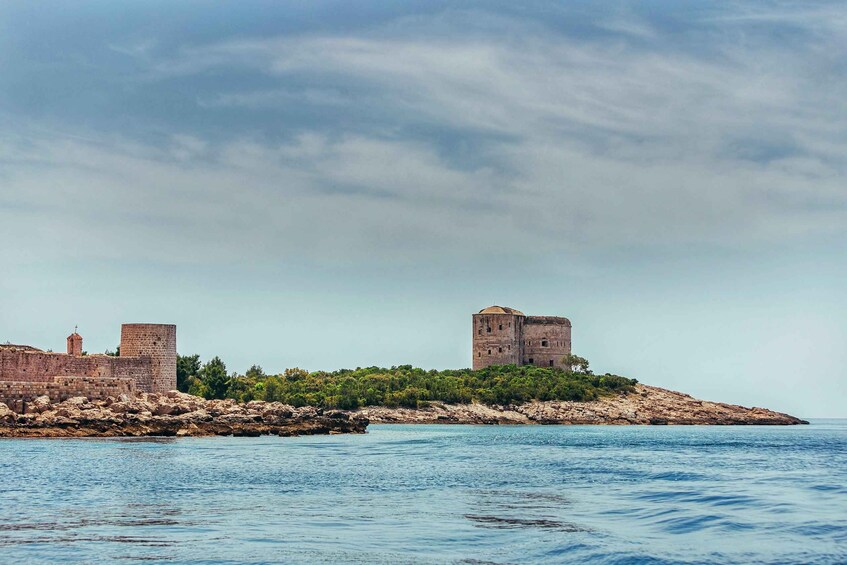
point(329, 184)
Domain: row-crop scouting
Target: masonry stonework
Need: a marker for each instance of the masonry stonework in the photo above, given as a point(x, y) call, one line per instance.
point(158, 342)
point(147, 363)
point(505, 336)
point(17, 394)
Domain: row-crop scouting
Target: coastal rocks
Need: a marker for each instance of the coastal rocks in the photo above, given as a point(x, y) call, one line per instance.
point(439, 413)
point(647, 405)
point(38, 405)
point(171, 414)
point(6, 414)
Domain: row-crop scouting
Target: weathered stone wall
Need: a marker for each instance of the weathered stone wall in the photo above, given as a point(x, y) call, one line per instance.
point(496, 339)
point(547, 339)
point(158, 343)
point(38, 366)
point(16, 394)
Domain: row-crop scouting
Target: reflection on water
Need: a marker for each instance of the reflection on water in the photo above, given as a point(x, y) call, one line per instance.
point(434, 494)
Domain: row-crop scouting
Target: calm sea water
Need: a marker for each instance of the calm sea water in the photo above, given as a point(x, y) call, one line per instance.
point(434, 494)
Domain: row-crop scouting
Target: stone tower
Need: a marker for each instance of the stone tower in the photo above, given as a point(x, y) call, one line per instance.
point(158, 341)
point(75, 344)
point(497, 332)
point(505, 336)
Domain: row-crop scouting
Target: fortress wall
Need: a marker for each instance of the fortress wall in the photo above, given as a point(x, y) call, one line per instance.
point(42, 367)
point(500, 346)
point(555, 331)
point(139, 369)
point(39, 366)
point(17, 394)
point(158, 342)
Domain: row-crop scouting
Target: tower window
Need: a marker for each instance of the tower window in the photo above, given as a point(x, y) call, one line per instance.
point(551, 362)
point(543, 343)
point(479, 331)
point(479, 353)
point(501, 326)
point(488, 330)
point(501, 350)
point(489, 352)
point(530, 360)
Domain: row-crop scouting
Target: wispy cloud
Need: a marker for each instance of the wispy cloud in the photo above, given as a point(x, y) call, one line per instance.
point(565, 144)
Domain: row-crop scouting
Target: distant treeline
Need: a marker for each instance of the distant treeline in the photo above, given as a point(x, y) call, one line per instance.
point(404, 385)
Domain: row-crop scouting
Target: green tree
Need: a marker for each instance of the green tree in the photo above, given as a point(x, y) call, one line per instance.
point(576, 364)
point(215, 379)
point(187, 368)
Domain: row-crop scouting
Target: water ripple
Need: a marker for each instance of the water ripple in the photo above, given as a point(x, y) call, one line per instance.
point(434, 494)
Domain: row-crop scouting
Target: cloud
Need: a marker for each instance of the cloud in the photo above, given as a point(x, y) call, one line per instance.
point(477, 145)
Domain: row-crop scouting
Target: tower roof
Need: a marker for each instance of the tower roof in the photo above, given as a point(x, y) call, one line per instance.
point(501, 310)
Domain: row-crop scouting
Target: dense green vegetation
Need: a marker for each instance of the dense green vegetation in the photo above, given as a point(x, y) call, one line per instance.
point(398, 386)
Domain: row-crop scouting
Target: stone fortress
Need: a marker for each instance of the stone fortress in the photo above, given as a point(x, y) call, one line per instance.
point(505, 336)
point(147, 363)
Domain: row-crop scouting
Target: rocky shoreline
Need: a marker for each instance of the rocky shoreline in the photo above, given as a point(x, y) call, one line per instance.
point(171, 414)
point(183, 415)
point(647, 405)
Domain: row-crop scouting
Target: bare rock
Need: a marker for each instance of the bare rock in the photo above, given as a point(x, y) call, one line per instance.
point(171, 414)
point(38, 405)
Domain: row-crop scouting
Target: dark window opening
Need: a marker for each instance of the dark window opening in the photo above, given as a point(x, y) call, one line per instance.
point(488, 330)
point(501, 350)
point(501, 326)
point(551, 362)
point(479, 331)
point(479, 353)
point(543, 343)
point(489, 352)
point(530, 360)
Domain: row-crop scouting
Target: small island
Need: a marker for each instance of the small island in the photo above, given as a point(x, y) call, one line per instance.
point(523, 373)
point(297, 402)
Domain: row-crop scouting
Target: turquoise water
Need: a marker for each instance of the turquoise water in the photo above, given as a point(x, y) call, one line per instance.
point(434, 494)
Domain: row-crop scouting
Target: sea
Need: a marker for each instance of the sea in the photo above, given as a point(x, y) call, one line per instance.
point(434, 494)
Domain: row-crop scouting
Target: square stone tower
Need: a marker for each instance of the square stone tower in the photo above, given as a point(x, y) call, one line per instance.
point(505, 336)
point(497, 333)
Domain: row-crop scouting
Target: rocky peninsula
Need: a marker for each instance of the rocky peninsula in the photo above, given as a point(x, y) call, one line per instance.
point(181, 415)
point(171, 414)
point(645, 405)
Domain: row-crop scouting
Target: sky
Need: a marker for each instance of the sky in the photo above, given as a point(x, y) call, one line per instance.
point(332, 184)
